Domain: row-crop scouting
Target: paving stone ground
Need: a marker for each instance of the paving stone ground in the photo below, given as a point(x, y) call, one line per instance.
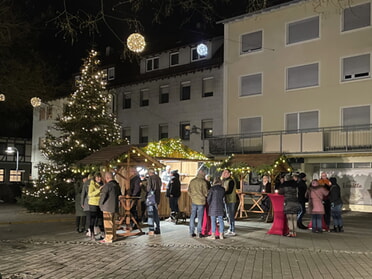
point(46, 246)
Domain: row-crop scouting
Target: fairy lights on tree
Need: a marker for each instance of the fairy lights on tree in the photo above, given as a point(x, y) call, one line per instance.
point(85, 126)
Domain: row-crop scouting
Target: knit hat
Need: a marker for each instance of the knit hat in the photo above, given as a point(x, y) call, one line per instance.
point(302, 175)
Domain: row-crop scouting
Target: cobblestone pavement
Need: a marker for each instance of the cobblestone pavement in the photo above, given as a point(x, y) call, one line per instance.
point(44, 246)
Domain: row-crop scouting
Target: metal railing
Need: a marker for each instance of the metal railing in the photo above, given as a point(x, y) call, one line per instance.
point(327, 139)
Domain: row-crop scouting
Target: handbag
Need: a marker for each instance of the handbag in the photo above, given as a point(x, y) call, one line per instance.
point(150, 199)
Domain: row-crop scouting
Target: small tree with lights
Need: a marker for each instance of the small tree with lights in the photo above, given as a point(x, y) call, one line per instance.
point(85, 126)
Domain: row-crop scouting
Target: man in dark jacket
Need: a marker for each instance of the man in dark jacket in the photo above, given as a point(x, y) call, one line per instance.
point(109, 204)
point(154, 184)
point(302, 188)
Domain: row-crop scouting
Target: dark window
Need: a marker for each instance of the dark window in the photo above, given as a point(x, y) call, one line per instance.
point(185, 91)
point(185, 131)
point(127, 101)
point(164, 94)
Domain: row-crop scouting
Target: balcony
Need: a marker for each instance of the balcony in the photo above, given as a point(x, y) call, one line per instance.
point(329, 139)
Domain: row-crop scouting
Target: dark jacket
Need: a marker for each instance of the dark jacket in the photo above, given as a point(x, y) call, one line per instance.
point(215, 200)
point(290, 191)
point(154, 183)
point(84, 195)
point(335, 192)
point(135, 186)
point(174, 186)
point(109, 197)
point(302, 188)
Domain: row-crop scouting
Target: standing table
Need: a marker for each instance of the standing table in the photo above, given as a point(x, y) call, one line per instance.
point(279, 225)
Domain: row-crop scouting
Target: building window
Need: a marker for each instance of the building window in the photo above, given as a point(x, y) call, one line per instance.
point(163, 131)
point(250, 126)
point(185, 90)
point(111, 73)
point(357, 17)
point(195, 55)
point(303, 30)
point(303, 76)
point(207, 128)
point(144, 134)
point(126, 131)
point(152, 64)
point(251, 42)
point(174, 58)
point(164, 94)
point(2, 174)
point(45, 112)
point(127, 100)
point(251, 85)
point(185, 130)
point(356, 67)
point(208, 86)
point(144, 97)
point(356, 116)
point(15, 176)
point(308, 120)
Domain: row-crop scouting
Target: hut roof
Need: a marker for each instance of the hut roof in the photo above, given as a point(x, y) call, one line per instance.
point(255, 160)
point(128, 155)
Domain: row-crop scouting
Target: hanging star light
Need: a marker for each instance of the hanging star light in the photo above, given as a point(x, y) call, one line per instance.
point(136, 42)
point(202, 49)
point(35, 102)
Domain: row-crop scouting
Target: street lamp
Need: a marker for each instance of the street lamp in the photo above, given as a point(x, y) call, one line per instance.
point(11, 150)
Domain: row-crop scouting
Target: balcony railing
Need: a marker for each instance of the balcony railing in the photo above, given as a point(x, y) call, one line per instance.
point(329, 139)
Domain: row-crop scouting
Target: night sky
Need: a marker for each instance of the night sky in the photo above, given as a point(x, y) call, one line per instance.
point(42, 60)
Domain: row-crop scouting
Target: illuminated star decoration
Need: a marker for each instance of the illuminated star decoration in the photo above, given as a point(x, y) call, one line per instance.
point(136, 42)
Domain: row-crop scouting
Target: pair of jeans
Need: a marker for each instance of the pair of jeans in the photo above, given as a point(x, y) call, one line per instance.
point(301, 213)
point(316, 220)
point(153, 217)
point(220, 221)
point(336, 211)
point(173, 204)
point(197, 210)
point(231, 215)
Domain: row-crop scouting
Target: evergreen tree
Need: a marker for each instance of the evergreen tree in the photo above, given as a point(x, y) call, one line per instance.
point(85, 126)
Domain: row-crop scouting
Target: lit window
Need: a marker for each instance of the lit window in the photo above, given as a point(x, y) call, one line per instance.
point(207, 129)
point(152, 64)
point(251, 85)
point(144, 97)
point(15, 176)
point(185, 90)
point(303, 76)
point(356, 17)
point(185, 130)
point(356, 67)
point(251, 42)
point(174, 58)
point(303, 30)
point(250, 126)
point(41, 143)
point(302, 121)
point(164, 94)
point(2, 174)
point(163, 131)
point(208, 87)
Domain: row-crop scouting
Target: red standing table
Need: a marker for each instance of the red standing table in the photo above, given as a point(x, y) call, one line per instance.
point(279, 225)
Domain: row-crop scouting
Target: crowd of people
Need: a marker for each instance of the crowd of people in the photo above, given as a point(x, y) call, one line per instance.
point(97, 202)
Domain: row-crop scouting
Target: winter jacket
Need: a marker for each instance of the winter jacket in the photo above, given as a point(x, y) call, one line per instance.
point(316, 195)
point(109, 198)
point(290, 191)
point(154, 184)
point(94, 193)
point(198, 190)
point(215, 200)
point(174, 186)
point(230, 190)
point(84, 195)
point(335, 195)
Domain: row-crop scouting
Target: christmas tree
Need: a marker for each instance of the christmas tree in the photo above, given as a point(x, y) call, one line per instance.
point(85, 126)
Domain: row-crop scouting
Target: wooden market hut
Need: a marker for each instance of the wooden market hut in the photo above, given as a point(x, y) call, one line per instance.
point(271, 164)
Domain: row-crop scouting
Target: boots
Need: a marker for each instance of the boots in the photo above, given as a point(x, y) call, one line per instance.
point(340, 228)
point(212, 236)
point(335, 229)
point(301, 226)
